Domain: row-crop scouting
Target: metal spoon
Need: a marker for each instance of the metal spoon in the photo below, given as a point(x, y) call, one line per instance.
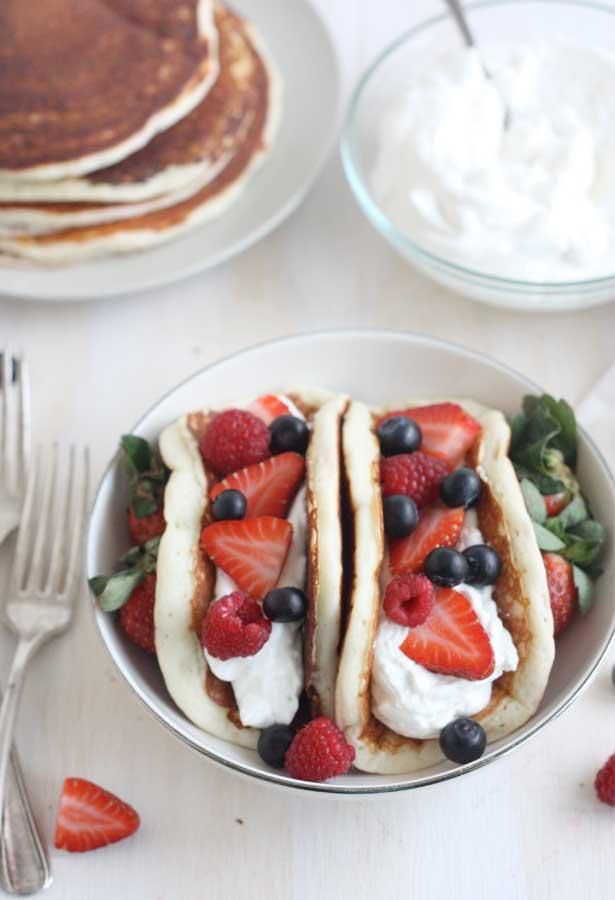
point(462, 23)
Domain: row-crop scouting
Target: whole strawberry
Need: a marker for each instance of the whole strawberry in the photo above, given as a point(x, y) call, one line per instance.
point(415, 474)
point(562, 591)
point(605, 782)
point(143, 529)
point(137, 614)
point(319, 751)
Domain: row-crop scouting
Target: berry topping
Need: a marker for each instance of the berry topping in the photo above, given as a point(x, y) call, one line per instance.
point(234, 439)
point(289, 433)
point(414, 474)
point(229, 504)
point(484, 565)
point(137, 614)
point(145, 528)
point(438, 526)
point(251, 551)
point(273, 743)
point(556, 503)
point(605, 782)
point(399, 435)
point(269, 487)
point(448, 431)
point(235, 626)
point(401, 515)
point(285, 604)
point(463, 740)
point(562, 590)
point(268, 408)
point(90, 817)
point(451, 640)
point(461, 488)
point(409, 599)
point(319, 751)
point(446, 567)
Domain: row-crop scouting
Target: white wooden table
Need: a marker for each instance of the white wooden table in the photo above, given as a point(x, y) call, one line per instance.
point(527, 827)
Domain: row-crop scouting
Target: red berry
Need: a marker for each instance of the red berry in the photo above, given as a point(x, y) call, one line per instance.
point(90, 817)
point(556, 503)
point(269, 407)
point(251, 551)
point(144, 529)
point(319, 751)
point(438, 526)
point(235, 626)
point(562, 590)
point(137, 614)
point(415, 474)
point(448, 430)
point(605, 782)
point(269, 487)
point(234, 439)
point(409, 599)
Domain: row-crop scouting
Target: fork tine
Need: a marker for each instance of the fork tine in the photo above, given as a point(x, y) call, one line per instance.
point(23, 538)
point(79, 513)
point(8, 422)
point(44, 525)
point(25, 422)
point(62, 523)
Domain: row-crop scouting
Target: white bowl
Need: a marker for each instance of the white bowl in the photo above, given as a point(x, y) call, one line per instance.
point(378, 367)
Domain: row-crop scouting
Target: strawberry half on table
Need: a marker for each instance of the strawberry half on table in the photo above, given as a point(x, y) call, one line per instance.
point(90, 817)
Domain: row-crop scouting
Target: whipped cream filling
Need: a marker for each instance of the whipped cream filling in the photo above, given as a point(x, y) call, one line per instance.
point(268, 684)
point(417, 703)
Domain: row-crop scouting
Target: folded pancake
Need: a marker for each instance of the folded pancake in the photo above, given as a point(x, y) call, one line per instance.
point(521, 594)
point(87, 82)
point(204, 204)
point(172, 166)
point(186, 577)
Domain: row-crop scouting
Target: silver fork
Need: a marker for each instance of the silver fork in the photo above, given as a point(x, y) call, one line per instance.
point(46, 577)
point(24, 866)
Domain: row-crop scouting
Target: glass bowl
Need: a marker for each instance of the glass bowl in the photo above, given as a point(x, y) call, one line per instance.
point(515, 21)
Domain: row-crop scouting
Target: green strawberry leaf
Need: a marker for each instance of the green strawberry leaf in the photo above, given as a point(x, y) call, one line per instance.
point(143, 506)
point(546, 539)
point(545, 483)
point(138, 453)
point(533, 501)
point(98, 584)
point(590, 530)
point(118, 589)
point(585, 588)
point(583, 553)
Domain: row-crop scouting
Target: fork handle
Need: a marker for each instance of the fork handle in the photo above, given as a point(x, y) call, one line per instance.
point(24, 865)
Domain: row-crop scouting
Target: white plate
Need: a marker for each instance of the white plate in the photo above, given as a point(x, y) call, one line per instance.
point(304, 53)
point(380, 367)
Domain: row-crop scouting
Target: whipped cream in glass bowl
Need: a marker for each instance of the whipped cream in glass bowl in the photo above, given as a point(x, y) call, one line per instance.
point(520, 216)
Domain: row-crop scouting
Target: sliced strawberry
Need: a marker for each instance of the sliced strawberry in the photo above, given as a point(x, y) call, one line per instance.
point(251, 551)
point(439, 526)
point(556, 503)
point(269, 487)
point(269, 407)
point(448, 431)
point(451, 641)
point(562, 590)
point(90, 817)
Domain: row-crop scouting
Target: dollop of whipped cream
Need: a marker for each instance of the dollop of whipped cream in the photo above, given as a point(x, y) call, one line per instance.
point(268, 684)
point(533, 201)
point(417, 703)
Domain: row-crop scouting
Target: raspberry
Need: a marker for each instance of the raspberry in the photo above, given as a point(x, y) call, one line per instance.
point(137, 614)
point(408, 600)
point(415, 474)
point(235, 626)
point(319, 751)
point(147, 527)
point(605, 781)
point(235, 439)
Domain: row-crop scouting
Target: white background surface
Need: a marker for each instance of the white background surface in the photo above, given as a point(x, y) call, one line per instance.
point(527, 827)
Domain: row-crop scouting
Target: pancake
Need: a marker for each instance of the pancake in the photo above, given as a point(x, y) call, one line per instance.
point(87, 82)
point(521, 594)
point(185, 576)
point(175, 164)
point(208, 202)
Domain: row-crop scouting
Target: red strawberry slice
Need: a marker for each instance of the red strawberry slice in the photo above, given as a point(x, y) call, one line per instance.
point(556, 503)
point(269, 487)
point(269, 407)
point(439, 526)
point(251, 551)
point(90, 817)
point(451, 641)
point(448, 431)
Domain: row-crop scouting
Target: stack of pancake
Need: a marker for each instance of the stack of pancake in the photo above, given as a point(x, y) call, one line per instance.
point(124, 123)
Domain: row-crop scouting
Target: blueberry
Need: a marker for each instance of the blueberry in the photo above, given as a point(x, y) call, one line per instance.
point(446, 567)
point(399, 435)
point(229, 505)
point(485, 565)
point(273, 743)
point(289, 433)
point(463, 740)
point(401, 515)
point(461, 488)
point(287, 604)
